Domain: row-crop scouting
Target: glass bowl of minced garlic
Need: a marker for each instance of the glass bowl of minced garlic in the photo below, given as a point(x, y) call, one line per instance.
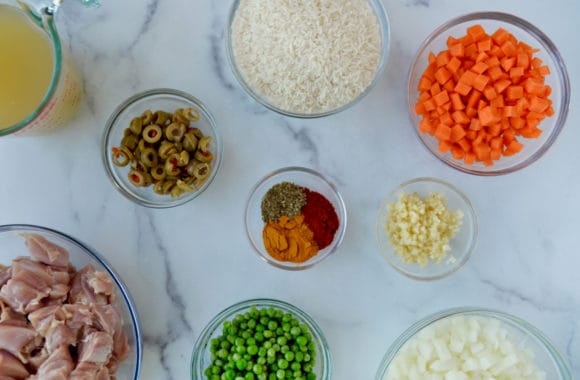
point(426, 228)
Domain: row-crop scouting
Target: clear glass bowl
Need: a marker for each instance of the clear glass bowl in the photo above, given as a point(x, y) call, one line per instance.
point(462, 245)
point(384, 27)
point(558, 80)
point(546, 355)
point(201, 358)
point(158, 99)
point(302, 177)
point(13, 245)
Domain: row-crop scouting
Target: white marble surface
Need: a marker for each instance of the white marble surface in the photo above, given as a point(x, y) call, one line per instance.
point(184, 265)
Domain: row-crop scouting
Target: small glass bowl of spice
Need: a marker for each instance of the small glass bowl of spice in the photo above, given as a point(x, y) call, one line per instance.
point(161, 148)
point(426, 229)
point(295, 218)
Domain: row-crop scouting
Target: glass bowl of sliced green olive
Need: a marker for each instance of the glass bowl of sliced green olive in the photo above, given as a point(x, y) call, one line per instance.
point(161, 148)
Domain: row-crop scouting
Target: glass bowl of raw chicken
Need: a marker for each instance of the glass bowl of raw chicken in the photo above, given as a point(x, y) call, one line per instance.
point(64, 313)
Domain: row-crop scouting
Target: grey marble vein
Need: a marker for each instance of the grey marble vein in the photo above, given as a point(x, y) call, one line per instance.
point(216, 42)
point(151, 12)
point(176, 324)
point(302, 137)
point(416, 3)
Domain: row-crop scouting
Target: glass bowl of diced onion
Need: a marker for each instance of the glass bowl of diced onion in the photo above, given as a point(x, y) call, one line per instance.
point(522, 30)
point(169, 101)
point(466, 343)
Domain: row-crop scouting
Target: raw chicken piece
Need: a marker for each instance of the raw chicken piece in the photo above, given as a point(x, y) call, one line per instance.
point(5, 274)
point(19, 341)
point(91, 287)
point(45, 319)
point(60, 336)
point(109, 320)
point(96, 347)
point(90, 371)
point(10, 317)
point(31, 283)
point(78, 316)
point(11, 366)
point(58, 366)
point(37, 359)
point(46, 252)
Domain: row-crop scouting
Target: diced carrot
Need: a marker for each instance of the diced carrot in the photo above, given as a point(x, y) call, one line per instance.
point(490, 93)
point(466, 40)
point(453, 65)
point(470, 135)
point(486, 116)
point(457, 133)
point(544, 70)
point(500, 36)
point(424, 84)
point(480, 67)
point(539, 105)
point(435, 89)
point(471, 51)
point(443, 132)
point(429, 73)
point(464, 143)
point(496, 52)
point(534, 86)
point(480, 82)
point(457, 50)
point(507, 63)
point(426, 126)
point(468, 78)
point(550, 111)
point(444, 146)
point(429, 105)
point(536, 62)
point(476, 32)
point(462, 88)
point(471, 112)
point(516, 72)
point(460, 117)
point(497, 102)
point(420, 109)
point(523, 60)
point(501, 85)
point(496, 143)
point(494, 129)
point(495, 154)
point(496, 73)
point(514, 92)
point(475, 125)
point(432, 58)
point(424, 97)
point(442, 58)
point(509, 135)
point(514, 147)
point(473, 99)
point(468, 64)
point(446, 119)
point(509, 111)
point(456, 101)
point(449, 86)
point(482, 151)
point(457, 152)
point(530, 132)
point(481, 57)
point(517, 122)
point(441, 98)
point(509, 49)
point(442, 75)
point(469, 158)
point(484, 45)
point(451, 41)
point(493, 61)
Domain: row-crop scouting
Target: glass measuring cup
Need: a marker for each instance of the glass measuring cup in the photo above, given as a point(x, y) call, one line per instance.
point(63, 93)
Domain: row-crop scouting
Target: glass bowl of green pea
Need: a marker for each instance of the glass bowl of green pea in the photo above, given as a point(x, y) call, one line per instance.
point(161, 149)
point(261, 339)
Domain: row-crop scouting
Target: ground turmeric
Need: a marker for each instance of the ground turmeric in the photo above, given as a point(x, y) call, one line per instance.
point(289, 240)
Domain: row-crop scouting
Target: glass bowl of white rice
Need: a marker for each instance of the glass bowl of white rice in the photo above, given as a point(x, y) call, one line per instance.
point(307, 59)
point(473, 343)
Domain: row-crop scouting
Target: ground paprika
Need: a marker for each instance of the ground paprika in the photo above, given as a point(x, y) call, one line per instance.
point(320, 216)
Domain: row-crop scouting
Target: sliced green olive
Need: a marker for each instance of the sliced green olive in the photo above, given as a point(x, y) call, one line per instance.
point(160, 117)
point(149, 157)
point(136, 126)
point(201, 170)
point(168, 185)
point(166, 149)
point(184, 186)
point(175, 131)
point(190, 142)
point(130, 141)
point(171, 168)
point(158, 172)
point(203, 156)
point(152, 133)
point(183, 158)
point(204, 143)
point(120, 158)
point(137, 178)
point(147, 117)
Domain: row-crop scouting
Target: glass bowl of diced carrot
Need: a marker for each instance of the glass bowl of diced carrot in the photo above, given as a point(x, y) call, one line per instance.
point(488, 93)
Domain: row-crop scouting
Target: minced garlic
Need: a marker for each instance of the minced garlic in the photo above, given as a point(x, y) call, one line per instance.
point(419, 229)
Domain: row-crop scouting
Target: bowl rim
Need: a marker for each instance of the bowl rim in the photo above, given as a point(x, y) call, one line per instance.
point(152, 93)
point(341, 213)
point(561, 76)
point(553, 352)
point(227, 313)
point(452, 188)
point(129, 302)
point(383, 20)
